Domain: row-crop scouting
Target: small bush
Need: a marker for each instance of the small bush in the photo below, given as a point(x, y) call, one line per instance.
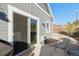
point(65, 33)
point(76, 34)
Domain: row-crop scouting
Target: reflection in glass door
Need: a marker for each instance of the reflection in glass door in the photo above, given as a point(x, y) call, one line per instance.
point(33, 31)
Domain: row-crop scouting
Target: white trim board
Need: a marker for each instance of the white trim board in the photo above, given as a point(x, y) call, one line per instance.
point(50, 11)
point(12, 9)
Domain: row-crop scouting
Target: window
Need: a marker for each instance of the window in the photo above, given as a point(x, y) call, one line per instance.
point(47, 27)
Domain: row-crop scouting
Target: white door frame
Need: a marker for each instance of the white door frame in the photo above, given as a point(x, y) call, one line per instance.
point(12, 9)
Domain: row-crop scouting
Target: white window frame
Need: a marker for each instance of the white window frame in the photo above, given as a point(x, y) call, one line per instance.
point(12, 9)
point(47, 27)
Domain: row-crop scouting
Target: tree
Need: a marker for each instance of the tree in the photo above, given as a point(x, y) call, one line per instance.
point(71, 27)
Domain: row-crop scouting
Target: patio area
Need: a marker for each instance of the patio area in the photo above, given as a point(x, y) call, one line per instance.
point(55, 47)
point(46, 50)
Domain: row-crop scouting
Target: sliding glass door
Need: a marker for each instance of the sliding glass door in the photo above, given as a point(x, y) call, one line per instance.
point(33, 32)
point(20, 32)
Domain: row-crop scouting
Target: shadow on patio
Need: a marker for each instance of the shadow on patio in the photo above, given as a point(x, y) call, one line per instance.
point(50, 51)
point(62, 47)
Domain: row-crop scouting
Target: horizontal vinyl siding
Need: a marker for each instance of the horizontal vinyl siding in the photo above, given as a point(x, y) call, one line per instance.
point(28, 8)
point(3, 30)
point(42, 5)
point(43, 18)
point(3, 24)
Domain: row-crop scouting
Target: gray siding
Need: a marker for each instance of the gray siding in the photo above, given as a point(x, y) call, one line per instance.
point(43, 18)
point(29, 8)
point(3, 30)
point(4, 7)
point(23, 6)
point(3, 24)
point(44, 7)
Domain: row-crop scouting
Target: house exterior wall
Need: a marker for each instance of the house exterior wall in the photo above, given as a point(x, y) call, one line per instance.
point(3, 30)
point(3, 25)
point(31, 9)
point(43, 18)
point(44, 6)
